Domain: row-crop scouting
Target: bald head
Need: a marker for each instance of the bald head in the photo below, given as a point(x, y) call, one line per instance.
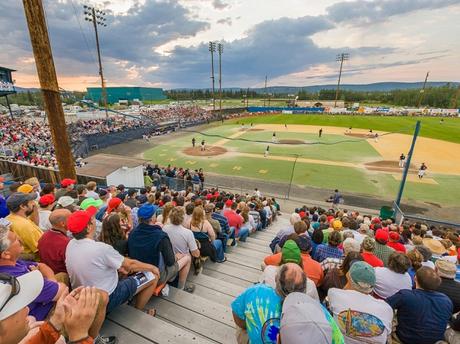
point(58, 218)
point(290, 278)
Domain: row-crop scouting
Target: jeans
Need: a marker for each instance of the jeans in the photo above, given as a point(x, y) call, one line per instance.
point(243, 233)
point(220, 250)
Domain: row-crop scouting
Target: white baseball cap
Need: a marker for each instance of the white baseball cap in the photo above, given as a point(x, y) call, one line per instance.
point(303, 320)
point(18, 292)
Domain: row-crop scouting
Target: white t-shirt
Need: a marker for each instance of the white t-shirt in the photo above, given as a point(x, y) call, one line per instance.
point(91, 193)
point(92, 264)
point(44, 219)
point(356, 235)
point(389, 282)
point(340, 301)
point(182, 239)
point(428, 264)
point(269, 277)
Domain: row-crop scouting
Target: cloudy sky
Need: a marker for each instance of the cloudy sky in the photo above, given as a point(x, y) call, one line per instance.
point(294, 42)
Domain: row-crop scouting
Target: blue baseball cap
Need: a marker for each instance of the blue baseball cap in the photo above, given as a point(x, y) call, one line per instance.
point(147, 211)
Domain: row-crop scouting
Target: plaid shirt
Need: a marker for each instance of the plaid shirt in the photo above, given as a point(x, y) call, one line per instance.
point(223, 222)
point(326, 251)
point(383, 252)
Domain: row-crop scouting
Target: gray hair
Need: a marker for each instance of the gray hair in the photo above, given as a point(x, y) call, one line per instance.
point(4, 241)
point(288, 281)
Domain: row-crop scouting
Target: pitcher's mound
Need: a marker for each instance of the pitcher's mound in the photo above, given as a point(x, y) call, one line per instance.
point(250, 129)
point(209, 151)
point(291, 142)
point(388, 166)
point(359, 135)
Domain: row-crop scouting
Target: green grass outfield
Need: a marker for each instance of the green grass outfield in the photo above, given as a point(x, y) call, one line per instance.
point(346, 178)
point(448, 131)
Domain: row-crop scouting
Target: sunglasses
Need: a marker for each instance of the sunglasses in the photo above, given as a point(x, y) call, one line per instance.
point(15, 287)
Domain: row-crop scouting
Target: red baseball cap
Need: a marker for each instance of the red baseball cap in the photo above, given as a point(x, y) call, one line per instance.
point(394, 236)
point(113, 203)
point(46, 200)
point(66, 182)
point(79, 220)
point(381, 235)
point(229, 203)
point(302, 214)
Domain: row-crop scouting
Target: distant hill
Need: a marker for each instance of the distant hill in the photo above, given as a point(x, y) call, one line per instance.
point(378, 86)
point(25, 89)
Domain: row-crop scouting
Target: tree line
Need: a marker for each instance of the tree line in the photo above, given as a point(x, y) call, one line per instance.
point(436, 97)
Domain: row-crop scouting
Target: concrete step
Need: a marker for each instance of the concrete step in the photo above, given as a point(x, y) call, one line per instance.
point(152, 329)
point(256, 255)
point(227, 278)
point(235, 270)
point(250, 262)
point(222, 286)
point(256, 247)
point(193, 313)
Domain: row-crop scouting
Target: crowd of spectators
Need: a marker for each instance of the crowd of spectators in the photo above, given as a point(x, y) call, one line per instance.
point(185, 115)
point(338, 276)
point(78, 251)
point(29, 142)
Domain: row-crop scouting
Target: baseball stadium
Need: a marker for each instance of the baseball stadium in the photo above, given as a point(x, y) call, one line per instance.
point(318, 214)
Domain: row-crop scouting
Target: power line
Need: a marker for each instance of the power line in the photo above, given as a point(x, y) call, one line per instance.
point(82, 33)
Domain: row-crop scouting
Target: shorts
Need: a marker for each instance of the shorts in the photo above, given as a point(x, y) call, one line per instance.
point(125, 291)
point(168, 273)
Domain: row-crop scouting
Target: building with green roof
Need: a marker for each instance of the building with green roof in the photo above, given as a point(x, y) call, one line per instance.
point(115, 94)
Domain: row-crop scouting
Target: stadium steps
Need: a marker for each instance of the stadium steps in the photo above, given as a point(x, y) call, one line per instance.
point(204, 316)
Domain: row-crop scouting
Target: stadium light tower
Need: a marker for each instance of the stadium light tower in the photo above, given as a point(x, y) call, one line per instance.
point(340, 58)
point(97, 17)
point(220, 50)
point(212, 49)
point(422, 91)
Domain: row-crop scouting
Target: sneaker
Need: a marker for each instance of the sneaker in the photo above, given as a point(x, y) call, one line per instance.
point(106, 340)
point(189, 288)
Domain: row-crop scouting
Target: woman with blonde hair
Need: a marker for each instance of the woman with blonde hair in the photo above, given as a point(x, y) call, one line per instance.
point(163, 219)
point(204, 233)
point(248, 219)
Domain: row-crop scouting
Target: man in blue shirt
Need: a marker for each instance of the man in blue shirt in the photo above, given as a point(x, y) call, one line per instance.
point(422, 313)
point(226, 231)
point(149, 244)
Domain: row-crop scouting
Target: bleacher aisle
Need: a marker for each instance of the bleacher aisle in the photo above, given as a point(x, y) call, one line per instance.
point(204, 316)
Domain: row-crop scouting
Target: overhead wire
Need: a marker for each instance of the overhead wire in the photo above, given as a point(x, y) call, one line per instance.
point(91, 53)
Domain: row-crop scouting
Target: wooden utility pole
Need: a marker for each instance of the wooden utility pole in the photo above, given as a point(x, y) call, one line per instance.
point(48, 83)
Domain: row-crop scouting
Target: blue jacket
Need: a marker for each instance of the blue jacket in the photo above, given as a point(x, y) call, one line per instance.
point(4, 212)
point(144, 244)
